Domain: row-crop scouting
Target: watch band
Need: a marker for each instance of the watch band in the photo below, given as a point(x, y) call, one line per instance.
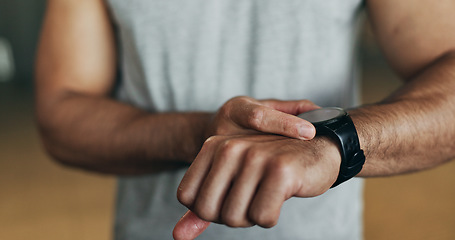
point(344, 133)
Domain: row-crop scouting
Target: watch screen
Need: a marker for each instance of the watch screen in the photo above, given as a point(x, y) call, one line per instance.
point(322, 114)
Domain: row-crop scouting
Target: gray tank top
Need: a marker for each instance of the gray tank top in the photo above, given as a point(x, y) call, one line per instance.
point(182, 55)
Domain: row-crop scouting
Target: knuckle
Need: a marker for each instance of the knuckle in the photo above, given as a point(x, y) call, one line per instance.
point(264, 218)
point(211, 141)
point(209, 144)
point(185, 197)
point(256, 117)
point(229, 147)
point(252, 157)
point(205, 211)
point(234, 102)
point(282, 167)
point(231, 220)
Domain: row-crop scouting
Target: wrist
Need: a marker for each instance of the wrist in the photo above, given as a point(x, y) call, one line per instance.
point(331, 152)
point(336, 124)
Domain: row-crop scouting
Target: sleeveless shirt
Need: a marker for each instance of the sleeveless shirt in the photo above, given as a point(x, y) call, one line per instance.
point(194, 55)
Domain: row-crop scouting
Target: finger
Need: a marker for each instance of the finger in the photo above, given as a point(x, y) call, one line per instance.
point(196, 173)
point(218, 181)
point(294, 107)
point(265, 119)
point(266, 205)
point(189, 227)
point(235, 208)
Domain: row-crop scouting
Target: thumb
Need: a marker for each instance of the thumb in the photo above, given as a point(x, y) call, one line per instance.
point(189, 227)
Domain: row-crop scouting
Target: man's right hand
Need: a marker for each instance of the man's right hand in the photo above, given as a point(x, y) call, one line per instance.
point(245, 115)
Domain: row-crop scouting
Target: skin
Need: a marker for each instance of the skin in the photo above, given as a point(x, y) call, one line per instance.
point(255, 154)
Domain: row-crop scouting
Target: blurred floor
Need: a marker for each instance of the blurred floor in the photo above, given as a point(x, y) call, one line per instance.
point(41, 200)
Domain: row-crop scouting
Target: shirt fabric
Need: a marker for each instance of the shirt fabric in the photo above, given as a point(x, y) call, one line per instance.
point(194, 55)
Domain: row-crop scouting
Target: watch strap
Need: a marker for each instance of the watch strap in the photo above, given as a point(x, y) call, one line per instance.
point(352, 157)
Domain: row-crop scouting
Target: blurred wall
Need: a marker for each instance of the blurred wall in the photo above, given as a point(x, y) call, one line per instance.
point(20, 22)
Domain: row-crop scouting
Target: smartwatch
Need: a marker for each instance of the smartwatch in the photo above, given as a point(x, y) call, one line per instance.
point(336, 123)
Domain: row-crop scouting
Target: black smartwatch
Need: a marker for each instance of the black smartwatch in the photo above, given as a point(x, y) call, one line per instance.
point(337, 124)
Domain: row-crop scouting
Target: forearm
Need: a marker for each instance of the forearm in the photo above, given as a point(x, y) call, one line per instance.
point(104, 135)
point(412, 129)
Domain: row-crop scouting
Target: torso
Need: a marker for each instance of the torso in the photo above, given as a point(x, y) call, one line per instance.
point(180, 55)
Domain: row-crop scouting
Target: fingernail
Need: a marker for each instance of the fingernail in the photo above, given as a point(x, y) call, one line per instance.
point(307, 132)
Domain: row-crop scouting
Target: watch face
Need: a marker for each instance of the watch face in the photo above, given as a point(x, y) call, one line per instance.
point(322, 114)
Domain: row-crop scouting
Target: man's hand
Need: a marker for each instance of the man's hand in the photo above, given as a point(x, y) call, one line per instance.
point(245, 115)
point(243, 180)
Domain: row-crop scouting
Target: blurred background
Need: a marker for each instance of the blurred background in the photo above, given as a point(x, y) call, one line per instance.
point(42, 200)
